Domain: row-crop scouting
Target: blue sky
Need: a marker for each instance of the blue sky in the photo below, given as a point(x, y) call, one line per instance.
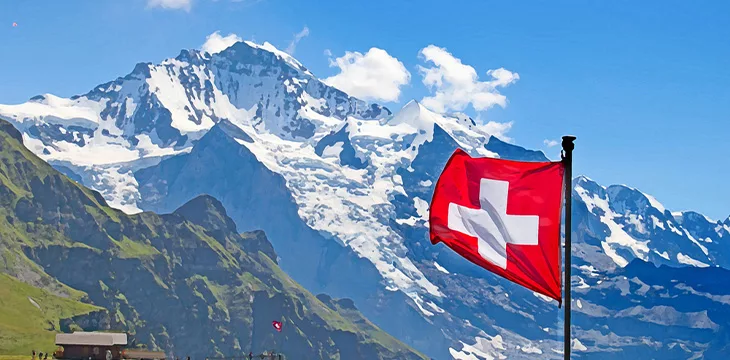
point(645, 87)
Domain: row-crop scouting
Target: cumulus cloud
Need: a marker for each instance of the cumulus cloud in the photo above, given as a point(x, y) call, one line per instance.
point(171, 4)
point(550, 143)
point(297, 38)
point(498, 129)
point(455, 85)
point(216, 43)
point(374, 75)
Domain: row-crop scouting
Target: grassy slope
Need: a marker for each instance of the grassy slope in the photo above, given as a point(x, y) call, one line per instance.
point(15, 357)
point(24, 326)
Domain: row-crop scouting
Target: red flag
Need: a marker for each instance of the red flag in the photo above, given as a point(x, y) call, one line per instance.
point(503, 216)
point(277, 325)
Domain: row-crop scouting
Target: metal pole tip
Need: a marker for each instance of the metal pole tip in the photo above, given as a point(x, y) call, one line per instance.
point(567, 143)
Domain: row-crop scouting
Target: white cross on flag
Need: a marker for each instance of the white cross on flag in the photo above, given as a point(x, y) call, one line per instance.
point(503, 216)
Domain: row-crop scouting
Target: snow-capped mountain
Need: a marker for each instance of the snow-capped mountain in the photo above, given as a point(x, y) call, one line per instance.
point(342, 188)
point(634, 225)
point(161, 110)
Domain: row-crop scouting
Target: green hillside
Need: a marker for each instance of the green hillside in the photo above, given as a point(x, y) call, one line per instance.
point(29, 316)
point(187, 283)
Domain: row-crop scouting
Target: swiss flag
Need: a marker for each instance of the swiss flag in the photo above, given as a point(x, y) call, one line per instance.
point(503, 216)
point(276, 325)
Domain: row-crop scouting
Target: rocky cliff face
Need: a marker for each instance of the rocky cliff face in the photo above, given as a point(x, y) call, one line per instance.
point(186, 282)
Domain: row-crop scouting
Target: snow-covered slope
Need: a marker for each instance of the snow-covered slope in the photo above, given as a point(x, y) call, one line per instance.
point(161, 110)
point(342, 187)
point(634, 225)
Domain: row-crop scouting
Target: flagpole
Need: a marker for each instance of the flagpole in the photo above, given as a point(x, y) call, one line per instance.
point(568, 147)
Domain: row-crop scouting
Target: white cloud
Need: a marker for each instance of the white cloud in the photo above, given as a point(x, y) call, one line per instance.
point(171, 4)
point(550, 143)
point(373, 76)
point(216, 43)
point(455, 85)
point(498, 129)
point(327, 52)
point(297, 38)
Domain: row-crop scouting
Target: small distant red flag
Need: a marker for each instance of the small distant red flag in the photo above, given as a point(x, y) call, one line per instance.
point(277, 325)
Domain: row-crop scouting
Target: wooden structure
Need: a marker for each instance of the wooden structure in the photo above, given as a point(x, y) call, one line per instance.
point(90, 346)
point(99, 346)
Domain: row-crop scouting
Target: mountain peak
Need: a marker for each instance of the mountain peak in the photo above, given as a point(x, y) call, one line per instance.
point(140, 71)
point(418, 116)
point(207, 212)
point(626, 197)
point(513, 152)
point(268, 47)
point(692, 216)
point(583, 179)
point(413, 103)
point(413, 114)
point(589, 185)
point(9, 129)
point(189, 55)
